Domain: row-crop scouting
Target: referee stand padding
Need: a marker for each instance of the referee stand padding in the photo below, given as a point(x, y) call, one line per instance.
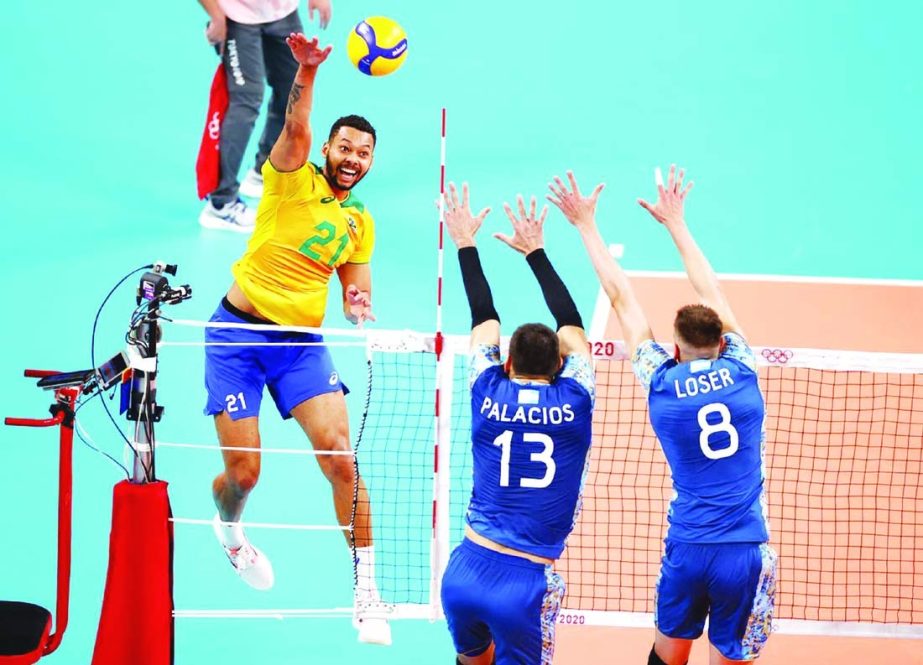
point(136, 625)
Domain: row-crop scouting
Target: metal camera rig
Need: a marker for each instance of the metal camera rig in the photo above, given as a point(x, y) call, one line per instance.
point(154, 291)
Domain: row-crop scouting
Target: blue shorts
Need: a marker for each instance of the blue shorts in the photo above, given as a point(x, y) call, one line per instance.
point(235, 375)
point(733, 583)
point(492, 597)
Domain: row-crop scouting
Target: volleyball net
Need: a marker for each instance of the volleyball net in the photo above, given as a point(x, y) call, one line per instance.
point(843, 463)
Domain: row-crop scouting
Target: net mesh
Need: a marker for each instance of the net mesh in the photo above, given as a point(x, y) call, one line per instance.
point(395, 458)
point(844, 489)
point(843, 478)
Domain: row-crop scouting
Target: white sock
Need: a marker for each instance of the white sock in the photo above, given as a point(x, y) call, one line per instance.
point(366, 589)
point(231, 536)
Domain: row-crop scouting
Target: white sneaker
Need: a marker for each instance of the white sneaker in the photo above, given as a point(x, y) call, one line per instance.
point(370, 619)
point(252, 185)
point(235, 216)
point(252, 566)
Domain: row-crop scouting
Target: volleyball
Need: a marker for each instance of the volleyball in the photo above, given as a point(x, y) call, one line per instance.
point(377, 46)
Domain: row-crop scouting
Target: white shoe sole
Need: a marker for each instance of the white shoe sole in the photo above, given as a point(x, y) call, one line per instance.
point(212, 222)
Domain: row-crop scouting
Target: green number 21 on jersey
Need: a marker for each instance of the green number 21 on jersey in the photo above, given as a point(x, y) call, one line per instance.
point(325, 235)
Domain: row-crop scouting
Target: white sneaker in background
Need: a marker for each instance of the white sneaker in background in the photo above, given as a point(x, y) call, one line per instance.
point(252, 185)
point(371, 622)
point(251, 564)
point(236, 216)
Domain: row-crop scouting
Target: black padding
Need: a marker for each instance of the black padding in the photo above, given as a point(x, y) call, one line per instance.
point(22, 627)
point(654, 659)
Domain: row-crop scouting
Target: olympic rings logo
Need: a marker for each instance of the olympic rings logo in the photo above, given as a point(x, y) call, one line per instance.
point(780, 356)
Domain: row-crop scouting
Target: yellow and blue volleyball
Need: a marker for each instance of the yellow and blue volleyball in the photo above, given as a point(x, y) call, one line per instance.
point(377, 46)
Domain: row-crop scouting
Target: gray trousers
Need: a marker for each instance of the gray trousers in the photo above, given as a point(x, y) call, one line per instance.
point(253, 55)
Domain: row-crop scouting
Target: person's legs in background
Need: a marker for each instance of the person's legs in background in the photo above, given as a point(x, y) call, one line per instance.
point(243, 61)
point(280, 73)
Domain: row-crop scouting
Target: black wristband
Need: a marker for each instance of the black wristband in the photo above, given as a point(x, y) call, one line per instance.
point(476, 287)
point(557, 297)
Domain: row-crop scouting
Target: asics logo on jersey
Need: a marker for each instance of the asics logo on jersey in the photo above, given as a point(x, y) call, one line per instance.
point(328, 199)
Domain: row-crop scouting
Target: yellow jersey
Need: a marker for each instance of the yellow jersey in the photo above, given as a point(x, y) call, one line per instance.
point(302, 234)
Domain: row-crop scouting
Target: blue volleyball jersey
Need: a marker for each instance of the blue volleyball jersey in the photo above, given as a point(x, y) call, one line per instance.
point(531, 449)
point(709, 416)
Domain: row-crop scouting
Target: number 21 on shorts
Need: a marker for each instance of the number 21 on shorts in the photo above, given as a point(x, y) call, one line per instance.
point(233, 401)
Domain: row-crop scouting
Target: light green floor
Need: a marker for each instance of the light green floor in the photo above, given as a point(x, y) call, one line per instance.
point(798, 121)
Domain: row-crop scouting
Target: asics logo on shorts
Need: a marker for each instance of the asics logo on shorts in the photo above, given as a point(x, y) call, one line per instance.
point(334, 377)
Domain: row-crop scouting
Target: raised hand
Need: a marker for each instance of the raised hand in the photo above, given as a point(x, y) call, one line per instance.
point(323, 11)
point(579, 210)
point(527, 228)
point(360, 305)
point(459, 222)
point(306, 51)
point(670, 199)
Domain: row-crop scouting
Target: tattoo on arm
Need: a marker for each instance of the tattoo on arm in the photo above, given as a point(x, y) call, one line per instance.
point(293, 97)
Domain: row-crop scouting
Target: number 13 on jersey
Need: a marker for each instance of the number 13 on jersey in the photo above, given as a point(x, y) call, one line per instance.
point(505, 441)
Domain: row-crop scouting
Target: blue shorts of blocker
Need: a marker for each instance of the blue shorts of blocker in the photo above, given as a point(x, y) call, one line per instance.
point(734, 584)
point(492, 597)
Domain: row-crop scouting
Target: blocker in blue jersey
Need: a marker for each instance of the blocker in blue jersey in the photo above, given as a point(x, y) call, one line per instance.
point(707, 410)
point(531, 427)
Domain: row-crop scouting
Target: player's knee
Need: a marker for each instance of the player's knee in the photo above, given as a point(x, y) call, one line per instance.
point(243, 475)
point(248, 97)
point(338, 469)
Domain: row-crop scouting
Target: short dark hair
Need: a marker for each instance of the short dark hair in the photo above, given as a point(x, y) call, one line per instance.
point(534, 350)
point(356, 122)
point(699, 326)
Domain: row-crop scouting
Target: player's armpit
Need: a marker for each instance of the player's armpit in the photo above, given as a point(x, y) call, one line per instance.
point(486, 333)
point(573, 340)
point(290, 151)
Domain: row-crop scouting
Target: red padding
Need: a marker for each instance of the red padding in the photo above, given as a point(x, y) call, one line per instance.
point(208, 163)
point(136, 625)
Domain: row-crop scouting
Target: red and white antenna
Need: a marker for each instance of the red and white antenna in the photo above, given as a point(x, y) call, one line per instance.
point(442, 433)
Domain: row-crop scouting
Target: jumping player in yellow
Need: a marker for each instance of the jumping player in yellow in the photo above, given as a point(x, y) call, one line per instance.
point(308, 226)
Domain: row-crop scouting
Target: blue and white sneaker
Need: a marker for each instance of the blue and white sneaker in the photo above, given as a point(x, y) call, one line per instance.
point(252, 185)
point(236, 216)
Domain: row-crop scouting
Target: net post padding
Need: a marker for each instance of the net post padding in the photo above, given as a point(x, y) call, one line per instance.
point(136, 624)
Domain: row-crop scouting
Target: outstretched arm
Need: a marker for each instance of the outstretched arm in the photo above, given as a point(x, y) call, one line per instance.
point(462, 227)
point(528, 239)
point(290, 151)
point(669, 211)
point(581, 212)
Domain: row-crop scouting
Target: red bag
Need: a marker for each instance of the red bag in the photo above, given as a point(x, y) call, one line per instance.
point(208, 163)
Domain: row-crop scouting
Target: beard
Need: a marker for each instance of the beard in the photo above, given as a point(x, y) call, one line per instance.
point(333, 178)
